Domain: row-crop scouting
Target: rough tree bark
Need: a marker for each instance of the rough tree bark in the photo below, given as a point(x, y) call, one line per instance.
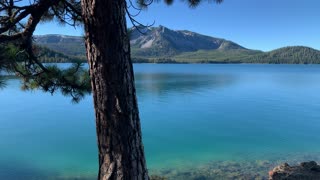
point(121, 153)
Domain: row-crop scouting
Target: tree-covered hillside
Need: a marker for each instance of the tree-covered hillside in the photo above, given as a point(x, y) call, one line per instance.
point(288, 55)
point(216, 56)
point(49, 56)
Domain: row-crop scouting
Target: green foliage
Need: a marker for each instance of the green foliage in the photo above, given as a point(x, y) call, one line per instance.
point(7, 53)
point(191, 3)
point(73, 81)
point(2, 66)
point(64, 12)
point(18, 22)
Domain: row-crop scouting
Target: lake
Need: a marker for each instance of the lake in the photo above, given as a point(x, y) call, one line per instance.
point(206, 121)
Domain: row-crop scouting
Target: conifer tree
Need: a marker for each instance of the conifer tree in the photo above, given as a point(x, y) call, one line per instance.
point(121, 154)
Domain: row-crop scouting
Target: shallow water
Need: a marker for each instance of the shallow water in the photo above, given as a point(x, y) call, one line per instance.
point(198, 121)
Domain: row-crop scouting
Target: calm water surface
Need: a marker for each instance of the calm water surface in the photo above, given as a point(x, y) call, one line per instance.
point(193, 116)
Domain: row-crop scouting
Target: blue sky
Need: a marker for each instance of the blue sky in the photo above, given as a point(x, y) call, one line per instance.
point(255, 24)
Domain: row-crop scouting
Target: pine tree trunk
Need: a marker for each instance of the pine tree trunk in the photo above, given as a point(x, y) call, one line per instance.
point(121, 154)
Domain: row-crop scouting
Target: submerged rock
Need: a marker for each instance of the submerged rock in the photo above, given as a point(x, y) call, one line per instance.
point(156, 177)
point(304, 171)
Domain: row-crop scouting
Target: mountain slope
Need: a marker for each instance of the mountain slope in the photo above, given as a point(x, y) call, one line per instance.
point(155, 43)
point(163, 42)
point(68, 45)
point(163, 45)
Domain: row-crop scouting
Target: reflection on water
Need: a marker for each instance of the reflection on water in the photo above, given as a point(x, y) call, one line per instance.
point(198, 122)
point(159, 84)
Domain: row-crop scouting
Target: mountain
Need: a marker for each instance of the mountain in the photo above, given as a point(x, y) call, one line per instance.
point(68, 45)
point(163, 45)
point(156, 42)
point(163, 42)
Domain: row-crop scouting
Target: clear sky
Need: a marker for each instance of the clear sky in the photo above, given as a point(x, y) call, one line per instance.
point(255, 24)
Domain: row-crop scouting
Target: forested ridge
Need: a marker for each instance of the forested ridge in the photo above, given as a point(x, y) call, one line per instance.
point(286, 55)
point(47, 55)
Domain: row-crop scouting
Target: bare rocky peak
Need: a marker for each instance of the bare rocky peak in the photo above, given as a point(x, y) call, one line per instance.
point(177, 40)
point(57, 38)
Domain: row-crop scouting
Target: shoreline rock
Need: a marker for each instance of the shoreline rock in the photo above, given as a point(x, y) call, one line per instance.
point(304, 171)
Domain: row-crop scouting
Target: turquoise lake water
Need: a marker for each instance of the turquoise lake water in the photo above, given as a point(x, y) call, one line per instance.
point(195, 117)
